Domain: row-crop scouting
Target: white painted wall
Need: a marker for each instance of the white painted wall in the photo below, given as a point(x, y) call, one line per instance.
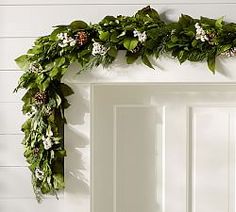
point(21, 21)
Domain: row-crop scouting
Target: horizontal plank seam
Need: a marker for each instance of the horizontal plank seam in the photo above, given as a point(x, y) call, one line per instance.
point(30, 198)
point(10, 134)
point(13, 167)
point(116, 4)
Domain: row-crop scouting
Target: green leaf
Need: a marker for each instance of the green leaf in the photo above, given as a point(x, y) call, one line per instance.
point(77, 25)
point(146, 61)
point(22, 62)
point(57, 31)
point(130, 43)
point(60, 61)
point(194, 43)
point(66, 90)
point(58, 181)
point(185, 20)
point(182, 56)
point(174, 38)
point(219, 23)
point(54, 72)
point(131, 58)
point(112, 52)
point(104, 36)
point(46, 84)
point(211, 61)
point(113, 37)
point(224, 48)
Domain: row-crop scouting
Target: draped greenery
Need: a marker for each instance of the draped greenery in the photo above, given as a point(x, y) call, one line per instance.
point(142, 36)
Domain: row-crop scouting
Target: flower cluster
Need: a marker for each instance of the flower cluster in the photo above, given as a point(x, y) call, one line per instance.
point(39, 174)
point(230, 53)
point(142, 37)
point(99, 49)
point(48, 140)
point(65, 40)
point(200, 33)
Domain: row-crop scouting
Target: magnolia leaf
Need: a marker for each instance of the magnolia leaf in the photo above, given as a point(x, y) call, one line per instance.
point(22, 62)
point(66, 90)
point(77, 25)
point(130, 43)
point(112, 52)
point(211, 62)
point(131, 58)
point(147, 62)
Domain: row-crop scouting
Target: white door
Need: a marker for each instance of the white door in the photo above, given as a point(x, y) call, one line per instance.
point(163, 148)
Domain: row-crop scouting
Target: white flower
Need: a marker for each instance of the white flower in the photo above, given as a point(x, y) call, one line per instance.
point(47, 143)
point(65, 40)
point(142, 37)
point(32, 112)
point(39, 174)
point(48, 140)
point(200, 33)
point(121, 34)
point(99, 49)
point(230, 53)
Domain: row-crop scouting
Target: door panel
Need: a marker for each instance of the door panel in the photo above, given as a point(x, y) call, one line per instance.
point(163, 148)
point(212, 150)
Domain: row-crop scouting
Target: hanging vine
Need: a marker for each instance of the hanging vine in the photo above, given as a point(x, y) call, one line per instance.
point(141, 36)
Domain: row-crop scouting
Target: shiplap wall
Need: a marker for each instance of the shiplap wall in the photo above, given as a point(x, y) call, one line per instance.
point(21, 21)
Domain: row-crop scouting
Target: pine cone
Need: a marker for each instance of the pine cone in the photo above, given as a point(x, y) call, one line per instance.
point(40, 98)
point(81, 38)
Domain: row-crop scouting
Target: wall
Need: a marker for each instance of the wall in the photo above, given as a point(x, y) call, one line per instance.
point(21, 21)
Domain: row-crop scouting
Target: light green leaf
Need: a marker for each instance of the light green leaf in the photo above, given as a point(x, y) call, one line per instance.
point(130, 43)
point(219, 23)
point(58, 181)
point(104, 36)
point(22, 62)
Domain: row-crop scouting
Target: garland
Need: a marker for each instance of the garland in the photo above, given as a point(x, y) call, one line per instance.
point(141, 36)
